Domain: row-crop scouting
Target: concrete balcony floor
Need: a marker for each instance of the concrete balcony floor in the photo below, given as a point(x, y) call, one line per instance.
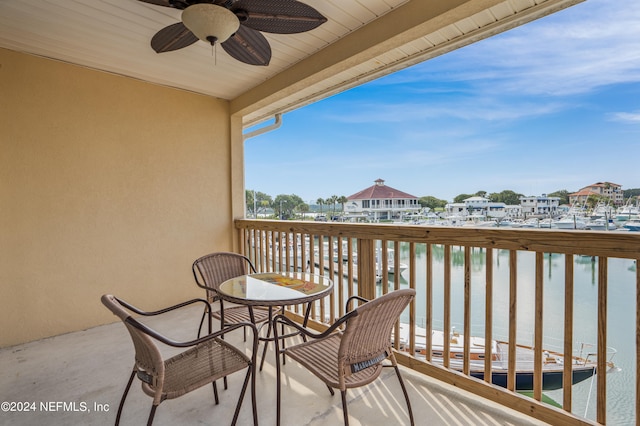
point(88, 371)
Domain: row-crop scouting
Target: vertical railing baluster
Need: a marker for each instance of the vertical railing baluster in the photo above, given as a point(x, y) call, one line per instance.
point(254, 247)
point(513, 326)
point(270, 250)
point(428, 321)
point(340, 279)
point(304, 258)
point(567, 374)
point(263, 251)
point(601, 415)
point(412, 306)
point(350, 267)
point(538, 327)
point(384, 261)
point(322, 267)
point(332, 276)
point(284, 251)
point(446, 327)
point(488, 316)
point(396, 260)
point(466, 316)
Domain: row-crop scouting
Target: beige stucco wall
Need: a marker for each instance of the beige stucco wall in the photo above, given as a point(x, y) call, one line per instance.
point(107, 185)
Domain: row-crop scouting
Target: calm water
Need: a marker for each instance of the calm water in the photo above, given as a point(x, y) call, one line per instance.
point(621, 321)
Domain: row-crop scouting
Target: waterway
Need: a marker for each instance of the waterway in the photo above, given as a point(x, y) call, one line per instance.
point(621, 333)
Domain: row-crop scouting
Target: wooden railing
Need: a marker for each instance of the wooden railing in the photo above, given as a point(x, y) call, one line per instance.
point(353, 252)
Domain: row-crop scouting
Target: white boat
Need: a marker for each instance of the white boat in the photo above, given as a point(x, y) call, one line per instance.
point(601, 224)
point(570, 222)
point(628, 212)
point(584, 365)
point(632, 225)
point(602, 210)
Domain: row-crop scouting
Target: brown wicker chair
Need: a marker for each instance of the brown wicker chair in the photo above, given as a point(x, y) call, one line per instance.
point(350, 356)
point(206, 359)
point(212, 270)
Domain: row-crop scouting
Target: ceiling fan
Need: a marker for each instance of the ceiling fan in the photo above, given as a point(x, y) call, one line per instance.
point(235, 24)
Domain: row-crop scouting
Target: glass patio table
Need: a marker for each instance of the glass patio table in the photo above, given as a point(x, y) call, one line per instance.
point(274, 289)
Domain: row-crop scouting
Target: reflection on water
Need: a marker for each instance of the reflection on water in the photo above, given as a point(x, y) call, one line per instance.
point(621, 308)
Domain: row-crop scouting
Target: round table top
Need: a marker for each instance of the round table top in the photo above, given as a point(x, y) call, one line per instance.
point(275, 289)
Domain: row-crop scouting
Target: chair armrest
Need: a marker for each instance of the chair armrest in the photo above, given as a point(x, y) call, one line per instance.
point(352, 298)
point(165, 310)
point(282, 319)
point(167, 341)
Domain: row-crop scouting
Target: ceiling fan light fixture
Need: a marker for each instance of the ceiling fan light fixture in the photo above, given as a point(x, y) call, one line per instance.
point(210, 23)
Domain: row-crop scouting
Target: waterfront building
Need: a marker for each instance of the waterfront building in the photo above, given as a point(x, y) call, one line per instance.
point(477, 205)
point(380, 201)
point(540, 205)
point(609, 190)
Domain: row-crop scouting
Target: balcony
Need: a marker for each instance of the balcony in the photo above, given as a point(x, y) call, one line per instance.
point(87, 371)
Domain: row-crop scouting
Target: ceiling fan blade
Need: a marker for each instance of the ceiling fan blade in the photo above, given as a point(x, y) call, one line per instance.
point(165, 3)
point(248, 46)
point(183, 4)
point(277, 16)
point(173, 37)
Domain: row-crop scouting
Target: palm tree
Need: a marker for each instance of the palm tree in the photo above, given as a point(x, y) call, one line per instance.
point(320, 202)
point(343, 200)
point(333, 200)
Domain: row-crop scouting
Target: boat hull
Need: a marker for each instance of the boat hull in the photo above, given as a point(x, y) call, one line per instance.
point(551, 380)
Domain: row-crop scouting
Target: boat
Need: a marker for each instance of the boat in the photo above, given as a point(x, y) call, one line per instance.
point(632, 225)
point(628, 212)
point(601, 224)
point(602, 210)
point(570, 222)
point(584, 365)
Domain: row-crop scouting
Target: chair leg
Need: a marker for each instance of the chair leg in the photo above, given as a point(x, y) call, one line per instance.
point(241, 398)
point(124, 396)
point(278, 382)
point(151, 414)
point(406, 395)
point(344, 407)
point(204, 314)
point(215, 393)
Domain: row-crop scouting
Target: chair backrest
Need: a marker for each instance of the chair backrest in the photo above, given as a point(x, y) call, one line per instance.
point(367, 335)
point(213, 269)
point(148, 357)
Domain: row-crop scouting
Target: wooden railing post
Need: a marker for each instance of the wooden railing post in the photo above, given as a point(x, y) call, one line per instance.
point(366, 269)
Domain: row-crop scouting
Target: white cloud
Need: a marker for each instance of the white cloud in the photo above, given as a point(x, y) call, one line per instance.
point(577, 50)
point(626, 117)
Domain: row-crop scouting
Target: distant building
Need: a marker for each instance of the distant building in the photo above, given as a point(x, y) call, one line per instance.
point(609, 190)
point(540, 205)
point(381, 202)
point(477, 206)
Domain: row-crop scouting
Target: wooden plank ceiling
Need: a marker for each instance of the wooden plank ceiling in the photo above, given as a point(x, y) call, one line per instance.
point(114, 36)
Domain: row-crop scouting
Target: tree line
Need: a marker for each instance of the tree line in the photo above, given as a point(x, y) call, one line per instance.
point(285, 206)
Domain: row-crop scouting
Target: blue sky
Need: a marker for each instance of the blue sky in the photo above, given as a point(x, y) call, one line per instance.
point(552, 105)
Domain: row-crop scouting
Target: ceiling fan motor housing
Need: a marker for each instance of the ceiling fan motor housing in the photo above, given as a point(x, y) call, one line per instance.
point(210, 23)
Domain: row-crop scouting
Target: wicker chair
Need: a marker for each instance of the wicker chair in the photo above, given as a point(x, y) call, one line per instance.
point(206, 359)
point(212, 270)
point(350, 356)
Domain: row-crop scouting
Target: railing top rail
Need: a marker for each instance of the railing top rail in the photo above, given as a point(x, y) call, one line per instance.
point(593, 243)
